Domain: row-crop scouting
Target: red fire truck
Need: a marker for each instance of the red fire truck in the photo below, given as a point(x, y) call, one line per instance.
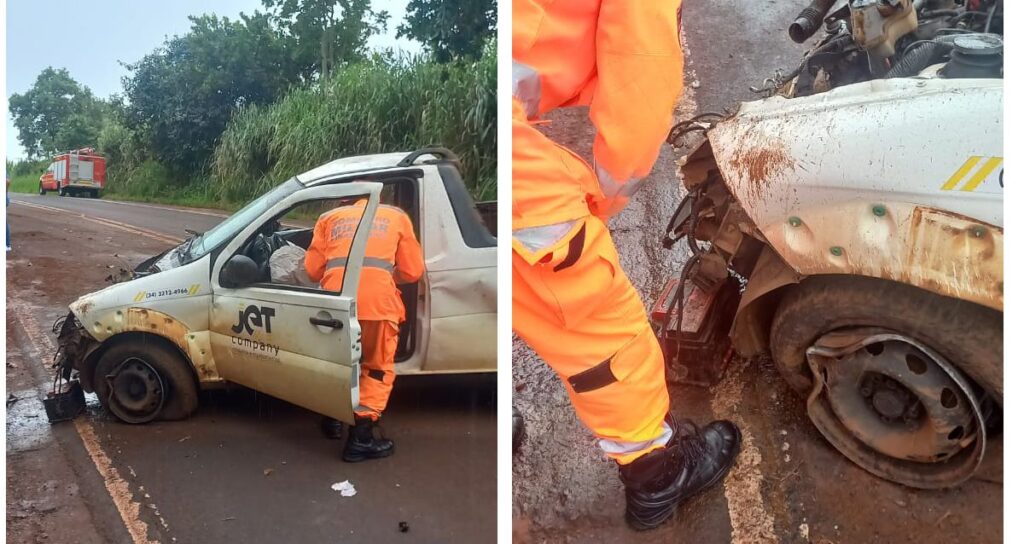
point(78, 172)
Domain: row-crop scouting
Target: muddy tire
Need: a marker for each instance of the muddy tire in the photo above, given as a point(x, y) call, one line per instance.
point(181, 395)
point(969, 335)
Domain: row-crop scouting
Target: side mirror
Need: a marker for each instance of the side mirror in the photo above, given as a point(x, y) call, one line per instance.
point(239, 271)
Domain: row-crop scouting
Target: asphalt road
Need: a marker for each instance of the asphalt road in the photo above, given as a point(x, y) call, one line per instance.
point(246, 467)
point(788, 485)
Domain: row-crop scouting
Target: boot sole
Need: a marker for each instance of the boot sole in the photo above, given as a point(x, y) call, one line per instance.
point(356, 458)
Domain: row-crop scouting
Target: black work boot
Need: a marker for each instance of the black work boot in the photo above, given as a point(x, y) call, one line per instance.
point(691, 462)
point(332, 428)
point(363, 445)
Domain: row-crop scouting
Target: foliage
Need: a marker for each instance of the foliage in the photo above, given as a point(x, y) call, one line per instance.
point(25, 183)
point(450, 29)
point(27, 166)
point(381, 105)
point(182, 95)
point(326, 33)
point(235, 106)
point(56, 114)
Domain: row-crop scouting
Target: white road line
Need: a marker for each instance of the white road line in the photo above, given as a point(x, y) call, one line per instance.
point(751, 522)
point(106, 222)
point(118, 489)
point(154, 206)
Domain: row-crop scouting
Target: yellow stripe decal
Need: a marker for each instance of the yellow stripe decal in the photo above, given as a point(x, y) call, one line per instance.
point(982, 173)
point(968, 165)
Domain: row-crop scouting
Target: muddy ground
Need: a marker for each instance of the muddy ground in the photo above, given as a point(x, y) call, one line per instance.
point(788, 485)
point(246, 467)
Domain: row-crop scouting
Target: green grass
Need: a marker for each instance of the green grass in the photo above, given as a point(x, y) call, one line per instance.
point(147, 190)
point(375, 106)
point(26, 183)
point(372, 107)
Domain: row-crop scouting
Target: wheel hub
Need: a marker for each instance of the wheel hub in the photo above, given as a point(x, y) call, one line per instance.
point(890, 399)
point(896, 408)
point(136, 391)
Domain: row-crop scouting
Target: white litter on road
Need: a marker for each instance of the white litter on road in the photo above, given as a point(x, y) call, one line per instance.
point(345, 488)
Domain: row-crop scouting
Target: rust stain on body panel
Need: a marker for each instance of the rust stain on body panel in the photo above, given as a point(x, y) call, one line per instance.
point(943, 252)
point(759, 163)
point(161, 324)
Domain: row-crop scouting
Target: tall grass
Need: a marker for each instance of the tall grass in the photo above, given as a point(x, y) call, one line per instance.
point(376, 106)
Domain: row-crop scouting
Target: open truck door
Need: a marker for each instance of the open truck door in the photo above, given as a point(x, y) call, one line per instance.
point(299, 344)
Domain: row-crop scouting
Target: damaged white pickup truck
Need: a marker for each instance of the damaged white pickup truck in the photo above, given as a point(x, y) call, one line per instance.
point(216, 308)
point(851, 227)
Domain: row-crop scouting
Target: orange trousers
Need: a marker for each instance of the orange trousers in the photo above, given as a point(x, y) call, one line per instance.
point(377, 371)
point(580, 313)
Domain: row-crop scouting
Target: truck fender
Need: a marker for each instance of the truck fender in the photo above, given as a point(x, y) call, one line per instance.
point(144, 323)
point(936, 250)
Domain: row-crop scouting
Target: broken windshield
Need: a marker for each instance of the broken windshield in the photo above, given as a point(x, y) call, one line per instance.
point(197, 247)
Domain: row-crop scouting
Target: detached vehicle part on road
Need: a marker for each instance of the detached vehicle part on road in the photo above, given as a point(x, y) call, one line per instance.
point(861, 210)
point(79, 172)
point(215, 309)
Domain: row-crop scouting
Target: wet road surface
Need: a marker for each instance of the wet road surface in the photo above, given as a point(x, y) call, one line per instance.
point(246, 467)
point(788, 485)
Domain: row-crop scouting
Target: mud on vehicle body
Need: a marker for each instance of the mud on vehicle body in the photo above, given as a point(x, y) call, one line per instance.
point(850, 226)
point(209, 312)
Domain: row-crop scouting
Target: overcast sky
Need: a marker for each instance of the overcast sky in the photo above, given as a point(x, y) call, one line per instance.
point(91, 37)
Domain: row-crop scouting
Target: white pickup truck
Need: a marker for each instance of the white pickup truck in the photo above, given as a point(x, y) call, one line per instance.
point(208, 312)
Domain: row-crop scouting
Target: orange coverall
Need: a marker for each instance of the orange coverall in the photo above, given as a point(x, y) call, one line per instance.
point(392, 253)
point(571, 300)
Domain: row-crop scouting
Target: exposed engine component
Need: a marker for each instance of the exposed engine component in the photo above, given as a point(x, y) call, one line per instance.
point(809, 20)
point(975, 56)
point(871, 39)
point(877, 25)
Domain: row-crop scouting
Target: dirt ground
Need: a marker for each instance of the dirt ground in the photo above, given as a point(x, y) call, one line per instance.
point(788, 485)
point(246, 467)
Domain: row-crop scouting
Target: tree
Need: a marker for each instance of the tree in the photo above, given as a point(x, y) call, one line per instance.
point(327, 32)
point(56, 114)
point(450, 29)
point(182, 95)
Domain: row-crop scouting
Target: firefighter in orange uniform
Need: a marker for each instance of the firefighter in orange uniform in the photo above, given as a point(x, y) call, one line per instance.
point(392, 255)
point(571, 300)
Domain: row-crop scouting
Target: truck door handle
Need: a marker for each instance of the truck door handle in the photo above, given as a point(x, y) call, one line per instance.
point(332, 323)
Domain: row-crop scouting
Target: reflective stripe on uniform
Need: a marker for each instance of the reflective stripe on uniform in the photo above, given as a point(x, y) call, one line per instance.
point(526, 87)
point(613, 188)
point(543, 237)
point(615, 447)
point(370, 262)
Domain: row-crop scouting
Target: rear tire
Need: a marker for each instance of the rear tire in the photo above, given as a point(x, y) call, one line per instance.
point(62, 191)
point(969, 335)
point(42, 191)
point(182, 394)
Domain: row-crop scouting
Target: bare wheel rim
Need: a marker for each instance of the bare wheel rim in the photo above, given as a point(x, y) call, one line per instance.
point(136, 391)
point(895, 407)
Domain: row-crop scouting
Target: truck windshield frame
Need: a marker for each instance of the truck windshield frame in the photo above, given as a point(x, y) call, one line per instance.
point(227, 229)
